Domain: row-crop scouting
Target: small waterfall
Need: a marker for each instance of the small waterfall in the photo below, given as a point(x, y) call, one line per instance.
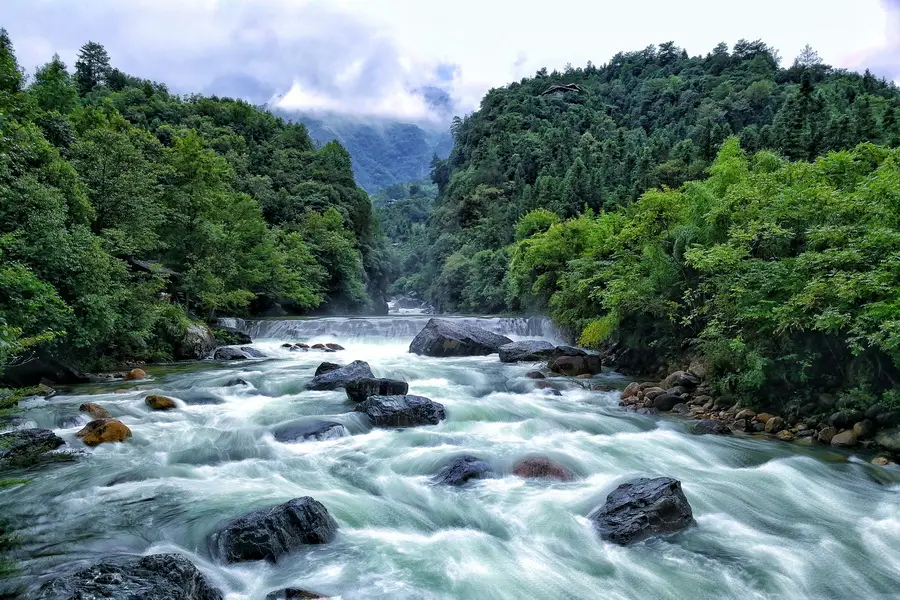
point(391, 327)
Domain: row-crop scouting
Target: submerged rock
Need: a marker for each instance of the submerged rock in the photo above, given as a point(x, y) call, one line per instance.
point(268, 533)
point(339, 377)
point(402, 411)
point(461, 469)
point(94, 410)
point(526, 351)
point(535, 375)
point(235, 382)
point(228, 353)
point(361, 389)
point(710, 427)
point(157, 402)
point(26, 446)
point(294, 594)
point(158, 576)
point(310, 431)
point(541, 467)
point(441, 338)
point(642, 508)
point(101, 431)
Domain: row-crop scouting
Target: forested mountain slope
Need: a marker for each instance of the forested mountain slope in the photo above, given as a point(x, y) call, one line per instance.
point(598, 137)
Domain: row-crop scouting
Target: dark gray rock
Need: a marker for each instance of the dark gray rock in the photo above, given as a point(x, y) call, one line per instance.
point(642, 508)
point(666, 402)
point(198, 397)
point(158, 576)
point(461, 469)
point(449, 338)
point(310, 431)
point(42, 368)
point(198, 343)
point(337, 378)
point(327, 367)
point(228, 353)
point(235, 382)
point(402, 411)
point(252, 352)
point(570, 351)
point(294, 594)
point(589, 364)
point(526, 351)
point(25, 446)
point(535, 375)
point(710, 427)
point(268, 533)
point(361, 389)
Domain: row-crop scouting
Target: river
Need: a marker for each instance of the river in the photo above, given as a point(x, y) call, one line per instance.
point(774, 520)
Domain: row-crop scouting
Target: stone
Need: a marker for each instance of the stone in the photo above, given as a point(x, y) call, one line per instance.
point(287, 345)
point(102, 431)
point(599, 387)
point(157, 402)
point(881, 461)
point(318, 346)
point(680, 378)
point(310, 431)
point(531, 350)
point(337, 378)
point(230, 336)
point(864, 429)
point(651, 393)
point(665, 402)
point(269, 533)
point(840, 420)
point(745, 414)
point(826, 434)
point(631, 390)
point(784, 435)
point(681, 408)
point(757, 427)
point(844, 439)
point(94, 410)
point(402, 411)
point(462, 469)
point(236, 382)
point(763, 417)
point(873, 411)
point(294, 594)
point(360, 389)
point(739, 425)
point(805, 433)
point(197, 343)
point(774, 425)
point(228, 353)
point(326, 367)
point(541, 467)
point(639, 509)
point(889, 439)
point(584, 376)
point(135, 375)
point(887, 419)
point(252, 352)
point(23, 447)
point(40, 368)
point(301, 346)
point(535, 375)
point(442, 338)
point(710, 427)
point(576, 365)
point(158, 576)
point(334, 347)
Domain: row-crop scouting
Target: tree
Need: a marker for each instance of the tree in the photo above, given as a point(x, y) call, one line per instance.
point(91, 67)
point(53, 87)
point(808, 57)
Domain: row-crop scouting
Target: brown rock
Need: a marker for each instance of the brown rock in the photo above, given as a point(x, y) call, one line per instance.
point(134, 375)
point(597, 387)
point(763, 417)
point(542, 467)
point(160, 402)
point(318, 346)
point(101, 431)
point(631, 391)
point(646, 385)
point(784, 435)
point(584, 376)
point(864, 429)
point(679, 378)
point(881, 461)
point(94, 410)
point(745, 414)
point(844, 439)
point(826, 434)
point(539, 375)
point(774, 425)
point(334, 346)
point(576, 365)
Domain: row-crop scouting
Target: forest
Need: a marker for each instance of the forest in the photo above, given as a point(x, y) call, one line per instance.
point(128, 212)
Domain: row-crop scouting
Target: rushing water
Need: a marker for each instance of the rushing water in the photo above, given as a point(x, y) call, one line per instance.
point(774, 520)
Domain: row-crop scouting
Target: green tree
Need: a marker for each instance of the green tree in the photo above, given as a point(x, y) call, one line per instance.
point(91, 67)
point(53, 88)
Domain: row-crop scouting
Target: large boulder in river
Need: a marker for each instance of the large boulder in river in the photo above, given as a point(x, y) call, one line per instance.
point(441, 337)
point(541, 467)
point(101, 431)
point(252, 352)
point(573, 366)
point(326, 367)
point(306, 431)
point(94, 410)
point(361, 389)
point(527, 351)
point(642, 508)
point(228, 353)
point(462, 469)
point(268, 533)
point(158, 576)
point(337, 378)
point(23, 447)
point(198, 343)
point(157, 402)
point(402, 411)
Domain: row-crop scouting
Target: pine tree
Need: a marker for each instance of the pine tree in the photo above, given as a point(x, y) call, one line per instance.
point(91, 67)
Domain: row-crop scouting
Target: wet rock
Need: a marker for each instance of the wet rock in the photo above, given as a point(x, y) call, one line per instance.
point(844, 439)
point(546, 386)
point(252, 352)
point(881, 461)
point(23, 447)
point(710, 427)
point(101, 431)
point(643, 508)
point(532, 350)
point(826, 434)
point(402, 411)
point(326, 367)
point(665, 402)
point(647, 412)
point(784, 435)
point(774, 425)
point(535, 375)
point(631, 390)
point(42, 367)
point(228, 353)
point(461, 469)
point(763, 417)
point(334, 347)
point(541, 467)
point(158, 576)
point(360, 389)
point(864, 429)
point(889, 439)
point(310, 431)
point(337, 378)
point(739, 425)
point(287, 345)
point(680, 378)
point(651, 393)
point(873, 411)
point(135, 375)
point(268, 533)
point(757, 427)
point(441, 337)
point(300, 347)
point(681, 409)
point(840, 420)
point(294, 594)
point(236, 382)
point(805, 433)
point(198, 343)
point(94, 410)
point(576, 365)
point(157, 402)
point(597, 387)
point(318, 346)
point(746, 414)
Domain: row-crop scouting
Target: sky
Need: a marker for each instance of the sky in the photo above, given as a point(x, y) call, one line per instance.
point(367, 58)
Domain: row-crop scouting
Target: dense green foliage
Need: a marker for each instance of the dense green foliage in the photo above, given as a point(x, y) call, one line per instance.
point(599, 137)
point(124, 209)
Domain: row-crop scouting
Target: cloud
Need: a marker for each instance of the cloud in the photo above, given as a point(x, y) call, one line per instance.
point(885, 60)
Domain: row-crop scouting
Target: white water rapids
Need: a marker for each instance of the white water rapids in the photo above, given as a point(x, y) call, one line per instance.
point(774, 520)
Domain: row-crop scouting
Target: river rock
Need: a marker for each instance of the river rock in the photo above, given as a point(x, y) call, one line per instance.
point(135, 375)
point(25, 446)
point(94, 410)
point(287, 345)
point(535, 375)
point(774, 425)
point(310, 431)
point(541, 467)
point(336, 378)
point(361, 389)
point(666, 402)
point(402, 411)
point(680, 378)
point(156, 577)
point(294, 594)
point(461, 469)
point(101, 431)
point(739, 425)
point(268, 533)
point(746, 414)
point(631, 390)
point(319, 346)
point(236, 382)
point(442, 338)
point(252, 352)
point(864, 429)
point(157, 402)
point(784, 435)
point(888, 418)
point(326, 367)
point(334, 346)
point(881, 461)
point(527, 351)
point(197, 343)
point(651, 393)
point(764, 417)
point(826, 434)
point(229, 336)
point(41, 368)
point(228, 353)
point(710, 427)
point(844, 439)
point(576, 365)
point(889, 439)
point(642, 508)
